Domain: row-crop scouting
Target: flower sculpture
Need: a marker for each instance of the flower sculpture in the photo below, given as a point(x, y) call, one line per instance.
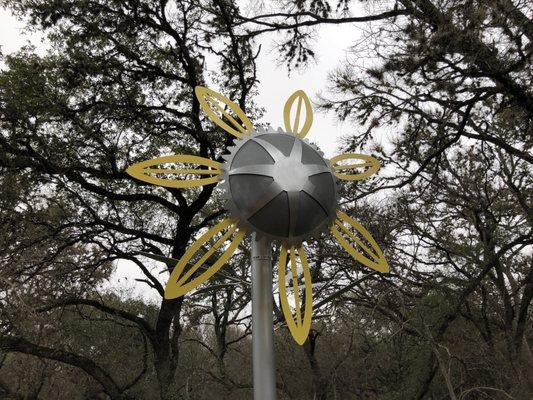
point(277, 185)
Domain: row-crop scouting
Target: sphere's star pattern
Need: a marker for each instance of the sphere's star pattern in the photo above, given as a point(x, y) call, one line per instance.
point(281, 186)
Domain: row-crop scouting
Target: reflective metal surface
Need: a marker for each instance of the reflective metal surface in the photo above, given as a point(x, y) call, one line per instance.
point(280, 186)
point(264, 366)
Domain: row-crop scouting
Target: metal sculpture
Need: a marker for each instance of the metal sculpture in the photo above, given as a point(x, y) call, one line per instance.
point(278, 187)
point(278, 174)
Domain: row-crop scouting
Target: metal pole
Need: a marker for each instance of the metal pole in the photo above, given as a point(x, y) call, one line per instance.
point(264, 369)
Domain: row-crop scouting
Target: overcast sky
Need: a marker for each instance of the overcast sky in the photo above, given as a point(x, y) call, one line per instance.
point(275, 84)
point(274, 88)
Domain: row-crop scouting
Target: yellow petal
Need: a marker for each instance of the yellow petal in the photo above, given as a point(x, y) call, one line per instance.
point(369, 253)
point(151, 171)
point(210, 103)
point(180, 283)
point(367, 164)
point(299, 325)
point(293, 120)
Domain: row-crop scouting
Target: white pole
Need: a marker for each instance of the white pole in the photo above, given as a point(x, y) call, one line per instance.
point(264, 369)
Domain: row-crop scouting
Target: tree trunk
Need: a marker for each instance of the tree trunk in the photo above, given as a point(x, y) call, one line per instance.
point(319, 382)
point(21, 345)
point(166, 349)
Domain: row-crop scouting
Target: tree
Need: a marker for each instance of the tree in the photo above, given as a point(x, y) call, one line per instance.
point(450, 82)
point(117, 87)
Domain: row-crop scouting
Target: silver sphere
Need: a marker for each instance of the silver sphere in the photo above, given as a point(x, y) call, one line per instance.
point(279, 186)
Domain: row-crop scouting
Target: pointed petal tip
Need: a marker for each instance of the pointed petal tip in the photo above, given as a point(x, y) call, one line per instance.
point(384, 265)
point(132, 170)
point(300, 340)
point(381, 265)
point(173, 291)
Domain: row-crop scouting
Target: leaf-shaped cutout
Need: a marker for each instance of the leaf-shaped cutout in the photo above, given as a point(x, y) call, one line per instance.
point(210, 103)
point(369, 165)
point(181, 282)
point(154, 172)
point(293, 119)
point(299, 325)
point(369, 253)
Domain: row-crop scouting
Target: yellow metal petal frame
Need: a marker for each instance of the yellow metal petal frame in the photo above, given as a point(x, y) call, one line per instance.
point(369, 254)
point(145, 171)
point(299, 325)
point(370, 163)
point(179, 282)
point(293, 125)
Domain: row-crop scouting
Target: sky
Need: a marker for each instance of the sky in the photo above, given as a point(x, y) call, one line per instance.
point(275, 86)
point(13, 34)
point(275, 83)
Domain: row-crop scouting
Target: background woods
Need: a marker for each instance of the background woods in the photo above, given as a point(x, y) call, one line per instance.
point(439, 91)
